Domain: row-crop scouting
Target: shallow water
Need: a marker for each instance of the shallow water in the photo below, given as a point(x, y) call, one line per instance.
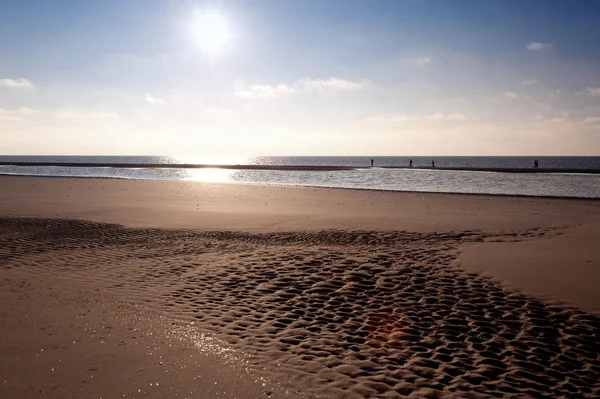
point(538, 184)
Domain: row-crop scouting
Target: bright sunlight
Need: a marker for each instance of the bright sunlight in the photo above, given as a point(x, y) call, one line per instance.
point(212, 32)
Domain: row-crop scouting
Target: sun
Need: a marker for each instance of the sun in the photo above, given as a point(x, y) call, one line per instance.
point(212, 32)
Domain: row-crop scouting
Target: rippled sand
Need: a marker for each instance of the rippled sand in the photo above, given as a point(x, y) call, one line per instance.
point(332, 313)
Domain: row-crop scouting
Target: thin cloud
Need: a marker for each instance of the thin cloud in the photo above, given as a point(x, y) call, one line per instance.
point(19, 83)
point(331, 83)
point(552, 121)
point(591, 91)
point(529, 82)
point(72, 112)
point(511, 95)
point(264, 91)
point(537, 46)
point(394, 118)
point(212, 110)
point(150, 99)
point(305, 85)
point(556, 93)
point(438, 116)
point(593, 120)
point(446, 117)
point(18, 114)
point(421, 62)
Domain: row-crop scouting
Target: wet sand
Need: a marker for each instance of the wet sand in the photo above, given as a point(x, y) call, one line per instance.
point(564, 267)
point(61, 338)
point(313, 292)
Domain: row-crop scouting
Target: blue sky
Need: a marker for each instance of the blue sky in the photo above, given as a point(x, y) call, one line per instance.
point(330, 77)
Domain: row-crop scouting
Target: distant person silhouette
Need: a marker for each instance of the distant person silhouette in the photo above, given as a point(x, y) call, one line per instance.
point(432, 164)
point(410, 163)
point(371, 163)
point(535, 163)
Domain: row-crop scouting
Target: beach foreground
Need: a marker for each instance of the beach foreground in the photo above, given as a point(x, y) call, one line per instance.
point(180, 289)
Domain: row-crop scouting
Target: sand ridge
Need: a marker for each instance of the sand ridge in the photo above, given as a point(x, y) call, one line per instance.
point(346, 313)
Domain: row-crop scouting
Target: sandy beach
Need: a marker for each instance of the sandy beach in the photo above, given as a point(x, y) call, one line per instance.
point(129, 288)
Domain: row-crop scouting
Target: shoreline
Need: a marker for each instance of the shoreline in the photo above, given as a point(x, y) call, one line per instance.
point(316, 168)
point(309, 186)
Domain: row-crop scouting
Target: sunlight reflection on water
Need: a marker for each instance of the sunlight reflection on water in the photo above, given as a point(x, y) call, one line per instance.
point(420, 180)
point(210, 175)
point(559, 185)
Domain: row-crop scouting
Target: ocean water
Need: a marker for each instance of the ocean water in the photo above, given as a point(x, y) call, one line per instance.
point(420, 180)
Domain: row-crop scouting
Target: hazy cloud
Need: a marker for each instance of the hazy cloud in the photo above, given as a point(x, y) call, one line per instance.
point(263, 91)
point(556, 93)
point(331, 83)
point(18, 114)
point(305, 85)
point(438, 116)
point(394, 118)
point(421, 62)
point(594, 92)
point(592, 120)
point(73, 112)
point(212, 110)
point(20, 83)
point(552, 121)
point(537, 46)
point(447, 117)
point(511, 95)
point(150, 99)
point(529, 82)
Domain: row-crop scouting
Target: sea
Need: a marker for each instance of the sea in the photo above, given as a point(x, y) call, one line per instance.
point(579, 185)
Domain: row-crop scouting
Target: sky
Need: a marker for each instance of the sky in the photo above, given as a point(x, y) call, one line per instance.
point(300, 77)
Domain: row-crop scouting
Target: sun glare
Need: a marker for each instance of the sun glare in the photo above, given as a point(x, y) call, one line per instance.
point(212, 32)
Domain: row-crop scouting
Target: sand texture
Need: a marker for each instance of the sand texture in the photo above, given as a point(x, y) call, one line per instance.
point(334, 314)
point(64, 339)
point(114, 288)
